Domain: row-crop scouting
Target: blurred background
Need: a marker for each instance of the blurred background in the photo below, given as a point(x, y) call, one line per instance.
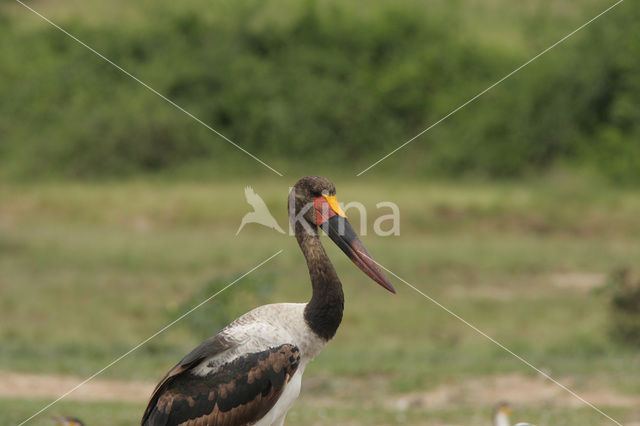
point(520, 212)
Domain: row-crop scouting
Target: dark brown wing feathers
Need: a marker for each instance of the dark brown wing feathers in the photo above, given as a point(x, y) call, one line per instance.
point(240, 392)
point(210, 347)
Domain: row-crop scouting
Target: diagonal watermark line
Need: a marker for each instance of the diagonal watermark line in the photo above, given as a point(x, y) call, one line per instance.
point(64, 395)
point(476, 329)
point(150, 88)
point(491, 87)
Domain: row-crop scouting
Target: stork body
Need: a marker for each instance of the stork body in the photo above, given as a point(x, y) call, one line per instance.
point(250, 373)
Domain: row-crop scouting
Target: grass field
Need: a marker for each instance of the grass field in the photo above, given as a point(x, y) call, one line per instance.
point(89, 270)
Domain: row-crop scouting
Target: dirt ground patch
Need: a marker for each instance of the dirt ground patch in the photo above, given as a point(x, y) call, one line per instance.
point(582, 282)
point(25, 385)
point(517, 389)
point(486, 391)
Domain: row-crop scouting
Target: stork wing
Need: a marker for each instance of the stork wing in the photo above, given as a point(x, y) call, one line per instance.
point(240, 392)
point(212, 346)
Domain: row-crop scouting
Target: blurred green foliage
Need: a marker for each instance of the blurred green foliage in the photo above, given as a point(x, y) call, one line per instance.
point(316, 80)
point(624, 289)
point(226, 306)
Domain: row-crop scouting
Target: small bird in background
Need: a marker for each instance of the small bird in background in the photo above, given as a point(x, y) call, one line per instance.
point(260, 214)
point(501, 415)
point(67, 421)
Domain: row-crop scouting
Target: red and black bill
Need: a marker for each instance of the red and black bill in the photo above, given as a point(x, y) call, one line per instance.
point(331, 218)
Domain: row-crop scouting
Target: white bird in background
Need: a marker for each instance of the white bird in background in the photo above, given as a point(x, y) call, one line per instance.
point(260, 213)
point(67, 421)
point(501, 416)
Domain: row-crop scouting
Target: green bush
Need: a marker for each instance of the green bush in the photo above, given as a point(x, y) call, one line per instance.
point(625, 307)
point(312, 82)
point(226, 306)
point(576, 106)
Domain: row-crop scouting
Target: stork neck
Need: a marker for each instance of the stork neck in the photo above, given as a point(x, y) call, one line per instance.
point(323, 313)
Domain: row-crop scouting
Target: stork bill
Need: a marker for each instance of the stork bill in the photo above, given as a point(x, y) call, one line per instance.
point(250, 373)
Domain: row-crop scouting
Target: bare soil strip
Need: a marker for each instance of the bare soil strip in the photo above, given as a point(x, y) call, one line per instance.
point(42, 386)
point(517, 389)
point(485, 391)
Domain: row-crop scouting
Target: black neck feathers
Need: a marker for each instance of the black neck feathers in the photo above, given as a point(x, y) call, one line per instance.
point(323, 313)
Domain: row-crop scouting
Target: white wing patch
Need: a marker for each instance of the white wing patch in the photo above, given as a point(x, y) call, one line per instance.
point(266, 327)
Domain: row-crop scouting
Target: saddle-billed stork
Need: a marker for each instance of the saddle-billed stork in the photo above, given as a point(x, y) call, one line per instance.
point(250, 372)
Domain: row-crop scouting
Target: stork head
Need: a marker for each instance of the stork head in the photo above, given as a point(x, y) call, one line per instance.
point(303, 195)
point(312, 204)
